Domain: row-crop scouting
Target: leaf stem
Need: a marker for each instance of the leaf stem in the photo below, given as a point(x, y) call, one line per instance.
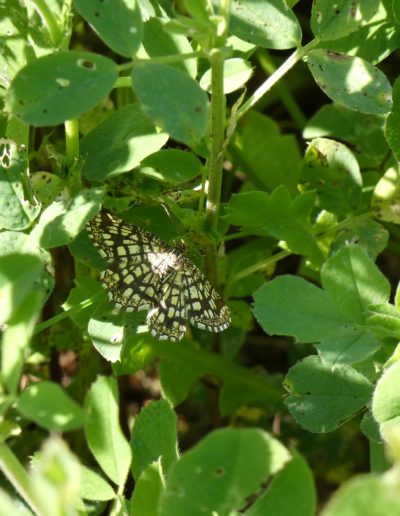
point(274, 78)
point(63, 315)
point(170, 59)
point(259, 266)
point(377, 457)
point(263, 388)
point(18, 477)
point(282, 90)
point(49, 20)
point(72, 141)
point(217, 138)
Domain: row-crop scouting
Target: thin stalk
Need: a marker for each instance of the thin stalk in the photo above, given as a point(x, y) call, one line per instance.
point(18, 477)
point(259, 266)
point(217, 139)
point(275, 77)
point(377, 457)
point(63, 315)
point(49, 20)
point(71, 141)
point(123, 82)
point(170, 59)
point(344, 224)
point(283, 91)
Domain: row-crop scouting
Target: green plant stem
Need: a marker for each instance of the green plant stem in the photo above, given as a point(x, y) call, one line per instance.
point(63, 315)
point(49, 20)
point(123, 82)
point(72, 141)
point(264, 388)
point(217, 139)
point(283, 91)
point(170, 59)
point(377, 457)
point(344, 224)
point(18, 477)
point(259, 266)
point(275, 77)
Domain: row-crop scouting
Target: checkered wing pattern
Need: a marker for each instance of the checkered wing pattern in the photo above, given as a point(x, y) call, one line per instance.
point(145, 273)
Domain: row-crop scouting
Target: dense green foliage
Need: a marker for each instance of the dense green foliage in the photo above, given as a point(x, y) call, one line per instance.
point(265, 136)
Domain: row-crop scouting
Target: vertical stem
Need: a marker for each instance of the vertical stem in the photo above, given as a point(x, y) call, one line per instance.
point(216, 157)
point(377, 457)
point(217, 138)
point(72, 153)
point(71, 141)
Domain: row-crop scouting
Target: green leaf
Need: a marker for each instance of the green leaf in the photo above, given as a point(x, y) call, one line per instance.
point(55, 479)
point(249, 209)
point(376, 38)
point(286, 222)
point(392, 130)
point(136, 354)
point(221, 472)
point(354, 282)
point(118, 24)
point(108, 330)
point(240, 386)
point(278, 216)
point(16, 338)
point(173, 100)
point(119, 143)
point(386, 403)
point(49, 406)
point(268, 25)
point(289, 305)
point(173, 165)
point(385, 198)
point(15, 47)
point(271, 166)
point(237, 72)
point(384, 320)
point(321, 397)
point(363, 132)
point(86, 287)
point(103, 432)
point(370, 495)
point(84, 251)
point(351, 81)
point(295, 478)
point(58, 87)
point(370, 428)
point(333, 22)
point(94, 487)
point(366, 233)
point(147, 492)
point(12, 242)
point(154, 436)
point(18, 274)
point(46, 186)
point(349, 346)
point(158, 41)
point(62, 221)
point(177, 381)
point(16, 212)
point(331, 169)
